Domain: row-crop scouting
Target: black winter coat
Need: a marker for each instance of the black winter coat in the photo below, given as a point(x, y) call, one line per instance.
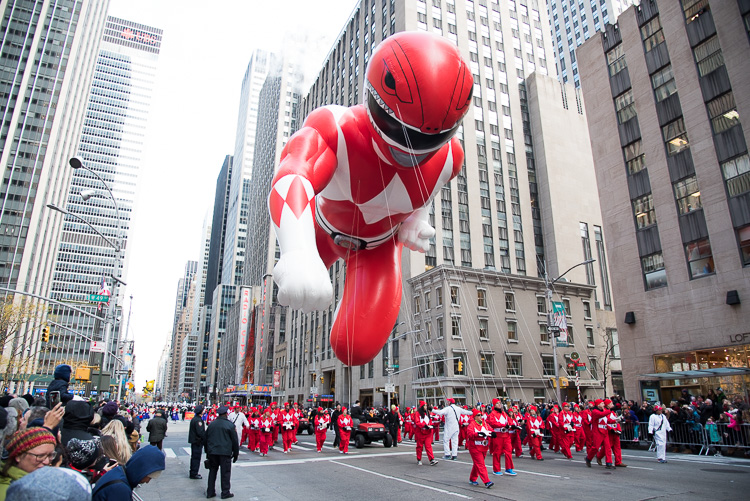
point(197, 433)
point(157, 429)
point(221, 438)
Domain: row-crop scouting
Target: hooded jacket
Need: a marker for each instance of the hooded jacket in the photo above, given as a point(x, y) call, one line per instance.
point(60, 383)
point(78, 416)
point(156, 428)
point(118, 483)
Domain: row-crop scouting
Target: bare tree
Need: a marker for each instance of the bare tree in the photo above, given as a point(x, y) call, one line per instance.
point(21, 321)
point(607, 356)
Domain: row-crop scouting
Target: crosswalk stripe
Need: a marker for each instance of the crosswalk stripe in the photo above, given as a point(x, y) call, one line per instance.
point(297, 446)
point(170, 453)
point(188, 450)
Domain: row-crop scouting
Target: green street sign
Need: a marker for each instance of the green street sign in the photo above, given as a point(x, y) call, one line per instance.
point(581, 368)
point(98, 298)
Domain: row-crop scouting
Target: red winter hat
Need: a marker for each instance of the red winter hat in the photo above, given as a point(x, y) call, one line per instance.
point(555, 407)
point(475, 412)
point(343, 408)
point(576, 406)
point(286, 404)
point(451, 401)
point(598, 401)
point(466, 407)
point(532, 408)
point(422, 403)
point(566, 404)
point(495, 401)
point(607, 401)
point(320, 409)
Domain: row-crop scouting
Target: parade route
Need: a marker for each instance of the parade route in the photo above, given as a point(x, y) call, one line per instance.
point(393, 474)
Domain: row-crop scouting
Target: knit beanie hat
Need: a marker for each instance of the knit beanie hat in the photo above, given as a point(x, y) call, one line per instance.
point(83, 453)
point(20, 404)
point(24, 441)
point(50, 484)
point(109, 409)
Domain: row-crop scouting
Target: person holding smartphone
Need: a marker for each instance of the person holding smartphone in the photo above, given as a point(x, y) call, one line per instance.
point(59, 385)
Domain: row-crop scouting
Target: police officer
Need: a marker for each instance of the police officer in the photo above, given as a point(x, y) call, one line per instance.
point(222, 449)
point(196, 439)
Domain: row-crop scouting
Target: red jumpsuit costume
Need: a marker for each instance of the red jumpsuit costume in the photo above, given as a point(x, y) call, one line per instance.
point(580, 434)
point(567, 433)
point(275, 415)
point(601, 446)
point(289, 423)
point(500, 446)
point(436, 420)
point(613, 433)
point(588, 423)
point(267, 424)
point(424, 428)
point(254, 433)
point(478, 445)
point(554, 425)
point(515, 433)
point(400, 425)
point(463, 424)
point(356, 183)
point(534, 434)
point(409, 418)
point(345, 430)
point(299, 413)
point(322, 421)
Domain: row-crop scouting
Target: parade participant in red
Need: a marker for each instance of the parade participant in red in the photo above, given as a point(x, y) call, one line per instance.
point(600, 436)
point(245, 429)
point(517, 424)
point(424, 430)
point(356, 184)
point(400, 423)
point(298, 413)
point(409, 417)
point(254, 434)
point(478, 435)
point(501, 446)
point(614, 431)
point(567, 432)
point(322, 421)
point(289, 423)
point(534, 433)
point(579, 435)
point(436, 420)
point(266, 431)
point(345, 429)
point(554, 425)
point(464, 420)
point(276, 416)
point(588, 425)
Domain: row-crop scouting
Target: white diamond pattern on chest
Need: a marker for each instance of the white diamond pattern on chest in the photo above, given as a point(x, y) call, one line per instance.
point(394, 199)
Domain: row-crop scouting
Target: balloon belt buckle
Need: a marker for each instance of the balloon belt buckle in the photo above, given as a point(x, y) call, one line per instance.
point(349, 242)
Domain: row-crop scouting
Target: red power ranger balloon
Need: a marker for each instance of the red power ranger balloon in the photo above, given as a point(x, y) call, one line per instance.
point(356, 183)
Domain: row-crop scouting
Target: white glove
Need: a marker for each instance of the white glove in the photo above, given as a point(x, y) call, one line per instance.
point(415, 232)
point(303, 281)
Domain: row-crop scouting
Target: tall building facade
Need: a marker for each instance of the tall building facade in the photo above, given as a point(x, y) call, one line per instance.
point(668, 99)
point(116, 116)
point(182, 323)
point(48, 54)
point(572, 22)
point(494, 202)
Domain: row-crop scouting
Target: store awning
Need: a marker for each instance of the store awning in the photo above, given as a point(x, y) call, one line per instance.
point(718, 372)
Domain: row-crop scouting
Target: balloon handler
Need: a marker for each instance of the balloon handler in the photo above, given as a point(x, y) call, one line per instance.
point(356, 183)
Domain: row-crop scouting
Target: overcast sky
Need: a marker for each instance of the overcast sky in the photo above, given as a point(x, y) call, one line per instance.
point(205, 51)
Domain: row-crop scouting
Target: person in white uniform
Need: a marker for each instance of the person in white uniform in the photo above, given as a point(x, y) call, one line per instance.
point(450, 433)
point(239, 420)
point(658, 426)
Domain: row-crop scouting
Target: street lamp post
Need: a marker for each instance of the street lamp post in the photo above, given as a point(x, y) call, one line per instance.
point(554, 335)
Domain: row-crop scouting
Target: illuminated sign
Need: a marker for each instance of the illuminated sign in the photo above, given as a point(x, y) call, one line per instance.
point(139, 36)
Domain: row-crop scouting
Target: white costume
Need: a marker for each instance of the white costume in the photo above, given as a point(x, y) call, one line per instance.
point(450, 433)
point(658, 425)
point(239, 420)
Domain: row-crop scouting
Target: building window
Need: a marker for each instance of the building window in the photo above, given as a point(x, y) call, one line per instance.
point(548, 365)
point(439, 296)
point(427, 301)
point(602, 260)
point(459, 363)
point(512, 334)
point(543, 334)
point(586, 310)
point(693, 9)
point(634, 157)
point(743, 236)
point(700, 259)
point(417, 308)
point(487, 361)
point(653, 271)
point(590, 336)
point(625, 106)
point(484, 329)
point(723, 113)
point(566, 306)
point(675, 137)
point(593, 369)
point(616, 60)
point(687, 194)
point(737, 175)
point(427, 331)
point(652, 34)
point(456, 327)
point(571, 338)
point(510, 301)
point(361, 372)
point(481, 298)
point(663, 83)
point(541, 305)
point(708, 56)
point(454, 295)
point(586, 245)
point(439, 366)
point(643, 208)
point(440, 328)
point(514, 365)
point(371, 369)
point(423, 368)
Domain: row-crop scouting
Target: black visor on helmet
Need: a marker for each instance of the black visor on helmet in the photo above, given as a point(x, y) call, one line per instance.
point(409, 139)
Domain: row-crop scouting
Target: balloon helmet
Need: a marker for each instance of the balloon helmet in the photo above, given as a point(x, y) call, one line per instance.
point(417, 91)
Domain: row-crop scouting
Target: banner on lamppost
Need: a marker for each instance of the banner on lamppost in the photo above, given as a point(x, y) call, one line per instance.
point(560, 320)
point(276, 379)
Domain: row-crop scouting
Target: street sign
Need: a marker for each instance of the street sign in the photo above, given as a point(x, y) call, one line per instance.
point(98, 298)
point(97, 346)
point(313, 389)
point(390, 388)
point(581, 367)
point(575, 356)
point(571, 365)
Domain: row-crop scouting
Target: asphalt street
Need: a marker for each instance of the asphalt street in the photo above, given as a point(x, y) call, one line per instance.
point(393, 474)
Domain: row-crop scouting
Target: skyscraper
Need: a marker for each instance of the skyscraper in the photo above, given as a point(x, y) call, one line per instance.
point(111, 147)
point(47, 62)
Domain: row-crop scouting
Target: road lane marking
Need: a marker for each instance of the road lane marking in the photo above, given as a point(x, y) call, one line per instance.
point(443, 491)
point(583, 462)
point(297, 446)
point(318, 458)
point(723, 462)
point(489, 470)
point(169, 453)
point(188, 450)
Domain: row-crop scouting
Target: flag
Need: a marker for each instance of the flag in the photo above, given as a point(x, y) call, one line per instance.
point(104, 290)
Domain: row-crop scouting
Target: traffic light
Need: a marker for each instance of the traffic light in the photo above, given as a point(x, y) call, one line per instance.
point(460, 366)
point(130, 375)
point(45, 334)
point(322, 379)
